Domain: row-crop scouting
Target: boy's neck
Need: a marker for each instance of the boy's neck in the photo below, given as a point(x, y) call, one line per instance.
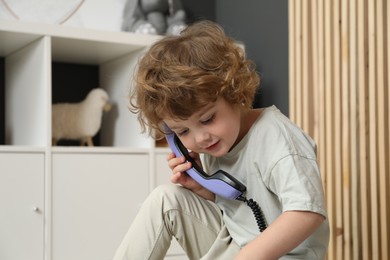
point(248, 118)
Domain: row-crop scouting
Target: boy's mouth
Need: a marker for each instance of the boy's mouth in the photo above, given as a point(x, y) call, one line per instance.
point(213, 146)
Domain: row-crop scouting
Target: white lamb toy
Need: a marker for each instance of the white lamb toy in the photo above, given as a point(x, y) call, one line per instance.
point(79, 121)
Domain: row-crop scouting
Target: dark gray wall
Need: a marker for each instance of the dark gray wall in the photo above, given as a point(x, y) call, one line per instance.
point(263, 27)
point(199, 10)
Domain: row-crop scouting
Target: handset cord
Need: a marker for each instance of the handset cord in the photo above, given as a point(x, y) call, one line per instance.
point(257, 212)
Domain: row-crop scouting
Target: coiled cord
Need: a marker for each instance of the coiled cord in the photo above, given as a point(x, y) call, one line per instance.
point(257, 212)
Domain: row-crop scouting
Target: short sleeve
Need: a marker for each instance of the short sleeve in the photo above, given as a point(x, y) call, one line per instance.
point(297, 182)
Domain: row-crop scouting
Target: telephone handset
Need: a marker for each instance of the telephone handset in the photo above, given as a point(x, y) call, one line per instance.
point(220, 183)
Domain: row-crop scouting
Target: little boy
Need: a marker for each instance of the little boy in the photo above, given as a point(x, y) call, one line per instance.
point(201, 86)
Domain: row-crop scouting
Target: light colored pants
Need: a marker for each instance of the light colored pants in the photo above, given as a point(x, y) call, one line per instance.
point(173, 211)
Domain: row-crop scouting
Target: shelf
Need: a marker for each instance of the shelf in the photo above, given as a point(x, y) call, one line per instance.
point(162, 150)
point(97, 150)
point(72, 44)
point(30, 50)
point(13, 41)
point(21, 149)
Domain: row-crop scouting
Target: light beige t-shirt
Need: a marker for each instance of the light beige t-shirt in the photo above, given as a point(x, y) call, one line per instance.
point(276, 161)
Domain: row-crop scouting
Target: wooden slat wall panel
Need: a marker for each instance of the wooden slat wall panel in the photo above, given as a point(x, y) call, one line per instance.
point(339, 91)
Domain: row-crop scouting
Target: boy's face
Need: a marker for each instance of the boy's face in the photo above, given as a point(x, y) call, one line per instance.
point(213, 130)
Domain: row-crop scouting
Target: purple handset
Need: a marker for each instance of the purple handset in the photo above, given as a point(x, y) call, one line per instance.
point(221, 183)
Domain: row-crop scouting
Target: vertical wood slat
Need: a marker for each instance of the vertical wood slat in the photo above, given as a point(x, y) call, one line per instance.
point(313, 10)
point(345, 131)
point(354, 138)
point(363, 130)
point(336, 135)
point(329, 129)
point(305, 64)
point(298, 62)
point(382, 136)
point(321, 90)
point(387, 47)
point(372, 129)
point(347, 48)
point(291, 60)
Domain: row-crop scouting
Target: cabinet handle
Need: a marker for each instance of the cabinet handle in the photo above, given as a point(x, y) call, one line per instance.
point(36, 209)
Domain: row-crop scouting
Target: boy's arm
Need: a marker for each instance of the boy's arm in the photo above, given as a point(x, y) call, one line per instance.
point(283, 235)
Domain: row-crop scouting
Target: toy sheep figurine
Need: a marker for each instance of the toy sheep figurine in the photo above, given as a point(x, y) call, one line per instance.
point(79, 121)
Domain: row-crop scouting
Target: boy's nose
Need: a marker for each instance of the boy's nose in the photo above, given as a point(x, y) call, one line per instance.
point(201, 137)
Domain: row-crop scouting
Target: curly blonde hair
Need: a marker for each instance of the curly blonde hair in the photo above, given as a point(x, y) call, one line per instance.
point(181, 74)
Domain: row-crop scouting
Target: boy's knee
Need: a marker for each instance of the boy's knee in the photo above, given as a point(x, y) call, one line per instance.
point(165, 190)
point(169, 196)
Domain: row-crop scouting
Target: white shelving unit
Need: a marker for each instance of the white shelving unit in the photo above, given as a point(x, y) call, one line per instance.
point(70, 202)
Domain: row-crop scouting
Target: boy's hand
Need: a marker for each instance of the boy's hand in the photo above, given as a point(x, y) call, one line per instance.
point(179, 166)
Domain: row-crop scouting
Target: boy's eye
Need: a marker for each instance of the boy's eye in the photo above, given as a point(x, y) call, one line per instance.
point(182, 132)
point(209, 119)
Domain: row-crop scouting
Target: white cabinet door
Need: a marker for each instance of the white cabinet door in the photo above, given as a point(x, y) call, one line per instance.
point(95, 198)
point(21, 206)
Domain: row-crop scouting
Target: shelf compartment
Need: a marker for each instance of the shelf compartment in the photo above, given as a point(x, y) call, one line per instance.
point(30, 49)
